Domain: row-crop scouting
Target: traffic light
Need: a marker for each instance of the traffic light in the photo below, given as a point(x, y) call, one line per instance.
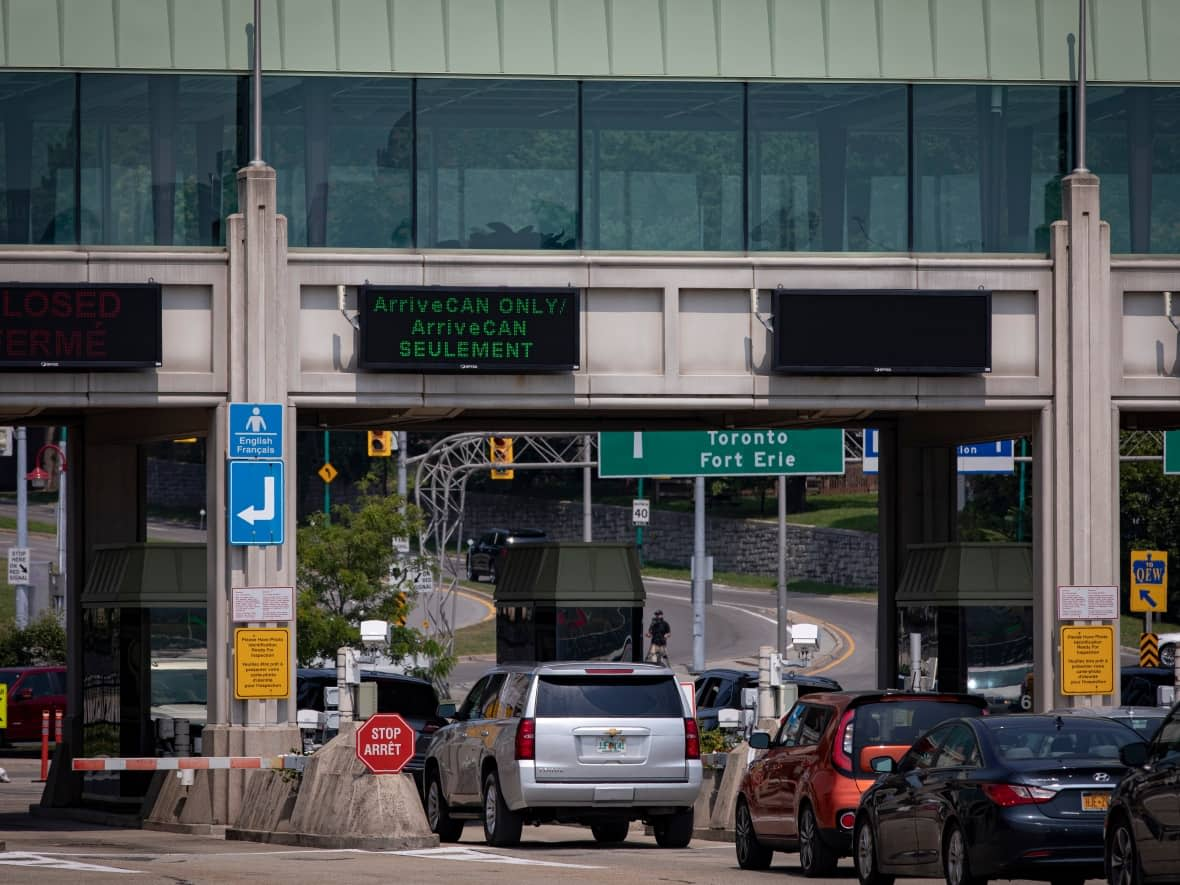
point(403, 609)
point(501, 453)
point(380, 443)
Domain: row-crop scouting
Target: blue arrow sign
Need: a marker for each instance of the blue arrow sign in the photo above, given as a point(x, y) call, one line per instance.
point(256, 502)
point(255, 430)
point(1147, 598)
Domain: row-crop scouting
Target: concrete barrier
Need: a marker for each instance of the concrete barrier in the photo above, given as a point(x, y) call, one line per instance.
point(337, 803)
point(713, 813)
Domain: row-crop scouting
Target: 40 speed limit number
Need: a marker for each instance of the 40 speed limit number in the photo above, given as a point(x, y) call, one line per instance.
point(640, 511)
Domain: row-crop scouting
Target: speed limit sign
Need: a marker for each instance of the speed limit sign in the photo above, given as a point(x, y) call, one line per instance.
point(640, 511)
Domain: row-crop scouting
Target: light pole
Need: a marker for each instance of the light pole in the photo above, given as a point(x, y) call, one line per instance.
point(38, 478)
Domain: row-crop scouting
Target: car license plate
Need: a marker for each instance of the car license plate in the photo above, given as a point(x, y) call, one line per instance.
point(612, 745)
point(1095, 801)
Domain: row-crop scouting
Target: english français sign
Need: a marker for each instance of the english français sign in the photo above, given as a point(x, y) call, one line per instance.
point(81, 325)
point(464, 329)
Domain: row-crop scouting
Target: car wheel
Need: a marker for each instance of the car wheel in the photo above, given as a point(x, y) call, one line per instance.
point(1168, 655)
point(815, 857)
point(501, 825)
point(1122, 859)
point(438, 813)
point(610, 830)
point(673, 830)
point(751, 854)
point(864, 844)
point(955, 864)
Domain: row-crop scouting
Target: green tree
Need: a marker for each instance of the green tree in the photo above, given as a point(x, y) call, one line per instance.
point(345, 576)
point(42, 642)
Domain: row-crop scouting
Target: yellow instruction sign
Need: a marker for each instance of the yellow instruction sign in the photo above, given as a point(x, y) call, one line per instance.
point(3, 705)
point(1087, 660)
point(262, 663)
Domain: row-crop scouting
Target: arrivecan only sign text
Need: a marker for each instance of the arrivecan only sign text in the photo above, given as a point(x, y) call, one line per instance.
point(461, 329)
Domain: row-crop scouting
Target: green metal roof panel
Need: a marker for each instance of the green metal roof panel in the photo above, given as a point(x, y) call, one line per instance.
point(636, 37)
point(1013, 39)
point(966, 574)
point(143, 34)
point(907, 51)
point(743, 39)
point(959, 49)
point(691, 35)
point(88, 32)
point(528, 37)
point(365, 37)
point(571, 572)
point(852, 45)
point(1120, 41)
point(419, 36)
point(473, 36)
point(973, 40)
point(308, 30)
point(1163, 36)
point(34, 34)
point(798, 39)
point(201, 34)
point(582, 45)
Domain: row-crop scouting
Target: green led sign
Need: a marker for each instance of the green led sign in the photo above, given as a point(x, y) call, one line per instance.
point(463, 329)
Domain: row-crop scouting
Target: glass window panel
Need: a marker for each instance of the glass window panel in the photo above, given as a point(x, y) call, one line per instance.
point(159, 157)
point(497, 164)
point(342, 150)
point(988, 163)
point(1133, 144)
point(662, 166)
point(37, 158)
point(828, 168)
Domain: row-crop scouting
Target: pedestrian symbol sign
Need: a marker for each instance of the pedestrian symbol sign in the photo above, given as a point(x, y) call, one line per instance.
point(1149, 581)
point(255, 430)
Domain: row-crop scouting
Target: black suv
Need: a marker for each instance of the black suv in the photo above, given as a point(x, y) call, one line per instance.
point(485, 557)
point(415, 699)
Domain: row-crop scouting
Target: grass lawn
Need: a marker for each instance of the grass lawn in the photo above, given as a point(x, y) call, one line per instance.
point(854, 511)
point(7, 603)
point(43, 528)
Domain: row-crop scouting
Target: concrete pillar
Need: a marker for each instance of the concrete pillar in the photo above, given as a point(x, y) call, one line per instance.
point(260, 318)
point(1081, 537)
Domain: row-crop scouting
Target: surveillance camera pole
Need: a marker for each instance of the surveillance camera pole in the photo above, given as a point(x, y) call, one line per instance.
point(22, 523)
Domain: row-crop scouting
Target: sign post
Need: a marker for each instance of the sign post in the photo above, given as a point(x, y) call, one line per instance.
point(385, 743)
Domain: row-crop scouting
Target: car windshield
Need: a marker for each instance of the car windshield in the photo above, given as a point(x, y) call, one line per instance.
point(599, 695)
point(1144, 726)
point(898, 723)
point(1029, 739)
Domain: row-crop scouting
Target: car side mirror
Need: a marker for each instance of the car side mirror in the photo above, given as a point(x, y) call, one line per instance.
point(1133, 755)
point(759, 740)
point(882, 764)
point(445, 711)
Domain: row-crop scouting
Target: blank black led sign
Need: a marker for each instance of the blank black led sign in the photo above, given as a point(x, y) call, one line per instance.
point(466, 329)
point(882, 332)
point(80, 326)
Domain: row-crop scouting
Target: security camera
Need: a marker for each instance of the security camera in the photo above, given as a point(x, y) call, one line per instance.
point(374, 633)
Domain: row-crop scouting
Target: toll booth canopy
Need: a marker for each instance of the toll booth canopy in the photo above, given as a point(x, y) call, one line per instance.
point(972, 605)
point(570, 601)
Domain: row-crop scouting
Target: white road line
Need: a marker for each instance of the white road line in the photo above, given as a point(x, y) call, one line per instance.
point(26, 859)
point(473, 856)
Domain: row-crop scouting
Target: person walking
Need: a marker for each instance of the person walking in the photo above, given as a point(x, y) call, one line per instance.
point(658, 632)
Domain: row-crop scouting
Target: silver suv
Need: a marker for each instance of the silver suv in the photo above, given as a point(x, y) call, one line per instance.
point(597, 744)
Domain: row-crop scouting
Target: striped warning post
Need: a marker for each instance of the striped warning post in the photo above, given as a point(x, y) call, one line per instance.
point(181, 763)
point(1149, 650)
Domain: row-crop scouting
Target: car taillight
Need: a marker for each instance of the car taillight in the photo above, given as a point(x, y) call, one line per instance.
point(1007, 795)
point(842, 748)
point(692, 740)
point(526, 739)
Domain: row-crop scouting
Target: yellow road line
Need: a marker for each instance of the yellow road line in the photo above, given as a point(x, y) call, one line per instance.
point(481, 599)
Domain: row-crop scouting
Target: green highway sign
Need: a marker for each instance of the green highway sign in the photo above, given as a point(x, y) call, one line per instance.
point(1171, 451)
point(721, 453)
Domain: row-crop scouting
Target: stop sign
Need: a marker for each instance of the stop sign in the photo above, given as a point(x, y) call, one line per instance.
point(385, 743)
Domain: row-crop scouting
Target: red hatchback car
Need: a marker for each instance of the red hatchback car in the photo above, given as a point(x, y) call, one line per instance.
point(802, 793)
point(31, 690)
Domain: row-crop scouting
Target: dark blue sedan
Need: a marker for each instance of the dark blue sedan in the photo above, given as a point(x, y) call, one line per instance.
point(993, 798)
